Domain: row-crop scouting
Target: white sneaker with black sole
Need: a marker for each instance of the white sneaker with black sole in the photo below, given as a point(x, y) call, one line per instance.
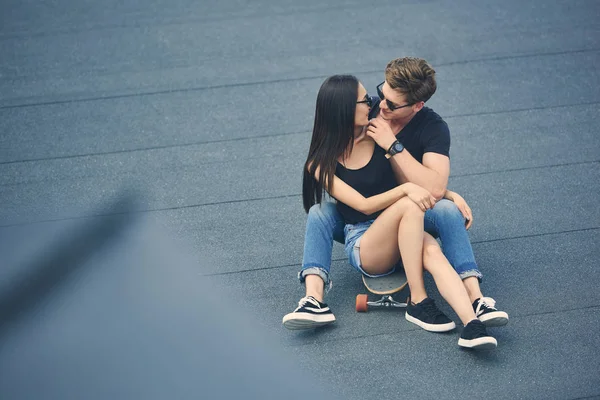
point(310, 313)
point(485, 310)
point(474, 336)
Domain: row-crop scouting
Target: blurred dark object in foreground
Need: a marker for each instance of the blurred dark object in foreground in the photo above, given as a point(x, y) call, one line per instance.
point(110, 309)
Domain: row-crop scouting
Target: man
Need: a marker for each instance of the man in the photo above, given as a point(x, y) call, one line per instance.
point(417, 141)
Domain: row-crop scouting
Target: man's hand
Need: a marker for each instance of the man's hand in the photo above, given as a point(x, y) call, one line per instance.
point(419, 196)
point(463, 207)
point(379, 130)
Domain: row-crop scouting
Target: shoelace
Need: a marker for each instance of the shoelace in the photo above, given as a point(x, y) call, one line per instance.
point(305, 300)
point(485, 302)
point(431, 309)
point(478, 330)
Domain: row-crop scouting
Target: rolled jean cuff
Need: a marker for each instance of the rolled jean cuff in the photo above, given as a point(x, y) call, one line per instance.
point(471, 272)
point(316, 270)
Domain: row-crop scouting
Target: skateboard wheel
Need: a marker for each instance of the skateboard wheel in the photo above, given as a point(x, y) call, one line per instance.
point(361, 303)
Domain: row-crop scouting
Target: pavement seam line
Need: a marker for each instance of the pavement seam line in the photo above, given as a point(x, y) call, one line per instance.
point(163, 147)
point(262, 268)
point(170, 146)
point(415, 329)
point(517, 110)
point(536, 235)
point(526, 168)
point(293, 195)
point(474, 242)
point(189, 21)
point(103, 215)
point(242, 200)
point(274, 81)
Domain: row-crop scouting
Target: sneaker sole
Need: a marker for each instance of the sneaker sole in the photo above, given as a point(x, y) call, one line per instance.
point(430, 327)
point(498, 318)
point(295, 321)
point(483, 343)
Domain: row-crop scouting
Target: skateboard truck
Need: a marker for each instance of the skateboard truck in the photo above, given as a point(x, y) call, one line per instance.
point(384, 286)
point(363, 303)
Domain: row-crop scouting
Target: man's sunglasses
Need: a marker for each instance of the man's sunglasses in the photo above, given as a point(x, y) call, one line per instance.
point(368, 100)
point(391, 106)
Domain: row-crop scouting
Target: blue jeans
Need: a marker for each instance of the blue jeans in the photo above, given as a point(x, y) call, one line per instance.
point(325, 224)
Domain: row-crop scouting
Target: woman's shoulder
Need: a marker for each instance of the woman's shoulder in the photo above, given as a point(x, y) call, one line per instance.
point(361, 155)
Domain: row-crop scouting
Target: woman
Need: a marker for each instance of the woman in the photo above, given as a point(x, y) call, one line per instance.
point(384, 221)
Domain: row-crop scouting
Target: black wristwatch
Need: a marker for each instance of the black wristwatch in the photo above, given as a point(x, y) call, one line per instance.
point(394, 149)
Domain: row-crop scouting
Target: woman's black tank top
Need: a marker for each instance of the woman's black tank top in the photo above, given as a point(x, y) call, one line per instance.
point(374, 178)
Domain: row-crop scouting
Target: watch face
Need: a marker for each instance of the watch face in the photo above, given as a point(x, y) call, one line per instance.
point(398, 147)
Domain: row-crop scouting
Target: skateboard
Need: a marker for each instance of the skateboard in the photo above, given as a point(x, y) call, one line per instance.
point(384, 286)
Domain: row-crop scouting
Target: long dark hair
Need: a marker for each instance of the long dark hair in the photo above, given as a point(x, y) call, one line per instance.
point(333, 135)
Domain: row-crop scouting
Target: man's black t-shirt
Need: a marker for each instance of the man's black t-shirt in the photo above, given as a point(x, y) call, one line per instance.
point(426, 132)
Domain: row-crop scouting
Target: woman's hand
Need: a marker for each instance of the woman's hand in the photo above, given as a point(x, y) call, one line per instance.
point(419, 196)
point(462, 206)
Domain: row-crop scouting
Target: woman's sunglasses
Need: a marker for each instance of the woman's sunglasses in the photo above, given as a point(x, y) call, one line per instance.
point(368, 101)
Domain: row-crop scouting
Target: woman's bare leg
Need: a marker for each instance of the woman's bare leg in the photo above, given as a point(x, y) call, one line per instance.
point(447, 280)
point(472, 285)
point(397, 232)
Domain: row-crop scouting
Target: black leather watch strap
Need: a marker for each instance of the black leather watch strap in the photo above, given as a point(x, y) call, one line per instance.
point(390, 148)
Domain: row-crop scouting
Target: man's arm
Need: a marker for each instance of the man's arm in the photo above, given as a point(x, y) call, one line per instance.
point(462, 206)
point(432, 174)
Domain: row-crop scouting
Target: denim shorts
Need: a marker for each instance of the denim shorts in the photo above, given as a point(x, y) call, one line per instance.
point(353, 233)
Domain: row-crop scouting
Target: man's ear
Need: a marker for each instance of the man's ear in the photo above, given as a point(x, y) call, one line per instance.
point(418, 106)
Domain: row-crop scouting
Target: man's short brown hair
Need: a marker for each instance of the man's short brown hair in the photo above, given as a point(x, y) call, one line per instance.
point(413, 77)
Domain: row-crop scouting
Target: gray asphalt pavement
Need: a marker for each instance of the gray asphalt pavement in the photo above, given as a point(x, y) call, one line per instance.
point(206, 108)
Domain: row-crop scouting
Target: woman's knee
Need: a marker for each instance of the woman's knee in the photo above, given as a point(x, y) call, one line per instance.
point(406, 206)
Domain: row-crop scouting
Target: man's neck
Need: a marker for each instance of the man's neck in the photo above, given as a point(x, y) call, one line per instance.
point(398, 124)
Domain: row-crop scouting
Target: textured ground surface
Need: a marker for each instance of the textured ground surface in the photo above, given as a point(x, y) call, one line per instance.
point(207, 109)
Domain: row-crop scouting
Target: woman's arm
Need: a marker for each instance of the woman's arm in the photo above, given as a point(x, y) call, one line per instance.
point(345, 193)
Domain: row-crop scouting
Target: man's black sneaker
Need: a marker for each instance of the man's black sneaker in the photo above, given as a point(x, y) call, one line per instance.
point(474, 336)
point(428, 316)
point(311, 313)
point(487, 313)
